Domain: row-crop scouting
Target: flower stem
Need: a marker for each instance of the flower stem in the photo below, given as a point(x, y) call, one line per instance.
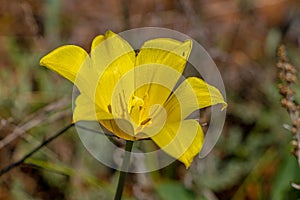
point(124, 169)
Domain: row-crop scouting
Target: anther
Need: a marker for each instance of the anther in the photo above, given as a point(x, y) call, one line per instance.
point(145, 121)
point(109, 108)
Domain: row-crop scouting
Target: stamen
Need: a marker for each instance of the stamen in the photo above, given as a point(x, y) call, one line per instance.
point(109, 108)
point(123, 105)
point(145, 121)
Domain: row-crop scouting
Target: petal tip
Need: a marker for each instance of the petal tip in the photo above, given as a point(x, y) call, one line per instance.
point(189, 42)
point(187, 162)
point(224, 106)
point(109, 33)
point(41, 63)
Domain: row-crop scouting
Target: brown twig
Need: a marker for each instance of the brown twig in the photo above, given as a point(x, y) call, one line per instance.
point(22, 160)
point(34, 120)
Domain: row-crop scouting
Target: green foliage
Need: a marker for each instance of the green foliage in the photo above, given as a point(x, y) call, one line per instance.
point(173, 190)
point(60, 168)
point(287, 173)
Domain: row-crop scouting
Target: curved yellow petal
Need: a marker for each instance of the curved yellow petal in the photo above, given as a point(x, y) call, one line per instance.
point(66, 61)
point(192, 94)
point(108, 48)
point(165, 51)
point(117, 127)
point(181, 140)
point(112, 57)
point(109, 34)
point(97, 41)
point(153, 85)
point(85, 110)
point(160, 59)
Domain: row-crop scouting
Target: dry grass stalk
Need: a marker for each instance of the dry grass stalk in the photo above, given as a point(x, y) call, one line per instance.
point(287, 76)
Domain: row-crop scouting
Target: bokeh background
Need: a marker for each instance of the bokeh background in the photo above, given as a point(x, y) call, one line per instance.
point(251, 160)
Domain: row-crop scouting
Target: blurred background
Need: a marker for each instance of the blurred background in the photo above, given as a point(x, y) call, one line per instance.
point(251, 160)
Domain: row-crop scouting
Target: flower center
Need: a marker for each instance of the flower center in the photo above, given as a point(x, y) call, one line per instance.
point(136, 109)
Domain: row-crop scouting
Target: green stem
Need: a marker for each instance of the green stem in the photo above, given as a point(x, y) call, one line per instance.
point(124, 169)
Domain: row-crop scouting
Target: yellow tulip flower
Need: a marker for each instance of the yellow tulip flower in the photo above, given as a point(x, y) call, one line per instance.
point(135, 94)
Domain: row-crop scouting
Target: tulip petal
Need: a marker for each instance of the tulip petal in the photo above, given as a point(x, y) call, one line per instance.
point(120, 128)
point(154, 84)
point(86, 110)
point(112, 57)
point(165, 51)
point(192, 94)
point(181, 140)
point(65, 60)
point(160, 59)
point(97, 41)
